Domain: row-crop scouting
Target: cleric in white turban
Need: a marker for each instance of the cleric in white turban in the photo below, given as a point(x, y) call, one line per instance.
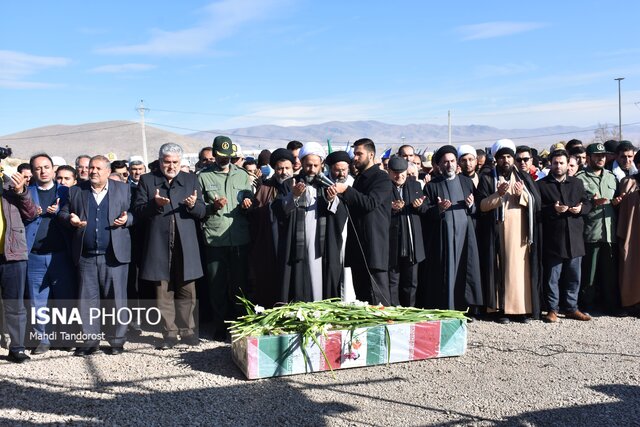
point(312, 147)
point(468, 160)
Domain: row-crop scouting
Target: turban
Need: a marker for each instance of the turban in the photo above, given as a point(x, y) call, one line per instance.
point(281, 154)
point(312, 148)
point(445, 149)
point(337, 156)
point(503, 146)
point(463, 150)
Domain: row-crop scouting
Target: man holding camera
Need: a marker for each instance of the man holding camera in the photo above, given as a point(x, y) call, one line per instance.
point(17, 206)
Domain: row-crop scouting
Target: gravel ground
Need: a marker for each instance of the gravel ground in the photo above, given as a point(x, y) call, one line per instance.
point(571, 373)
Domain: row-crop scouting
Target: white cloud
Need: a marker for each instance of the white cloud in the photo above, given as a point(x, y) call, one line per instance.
point(16, 66)
point(488, 30)
point(122, 68)
point(221, 19)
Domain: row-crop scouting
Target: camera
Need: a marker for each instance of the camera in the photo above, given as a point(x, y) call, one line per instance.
point(5, 152)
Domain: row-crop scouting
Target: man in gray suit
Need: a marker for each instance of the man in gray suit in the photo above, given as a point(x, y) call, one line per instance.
point(101, 249)
point(171, 201)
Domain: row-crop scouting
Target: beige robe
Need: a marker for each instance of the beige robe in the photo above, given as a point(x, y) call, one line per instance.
point(629, 234)
point(514, 249)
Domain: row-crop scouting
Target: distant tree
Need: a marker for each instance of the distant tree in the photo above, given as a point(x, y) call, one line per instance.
point(605, 132)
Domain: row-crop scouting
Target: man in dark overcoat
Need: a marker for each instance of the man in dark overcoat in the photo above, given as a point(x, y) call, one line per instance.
point(171, 203)
point(369, 205)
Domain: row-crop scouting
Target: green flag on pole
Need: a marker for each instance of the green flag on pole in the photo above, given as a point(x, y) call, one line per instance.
point(329, 149)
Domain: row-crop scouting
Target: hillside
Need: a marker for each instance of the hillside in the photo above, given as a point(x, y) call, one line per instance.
point(122, 138)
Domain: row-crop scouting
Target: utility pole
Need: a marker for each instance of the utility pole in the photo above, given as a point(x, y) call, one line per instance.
point(449, 115)
point(619, 108)
point(141, 110)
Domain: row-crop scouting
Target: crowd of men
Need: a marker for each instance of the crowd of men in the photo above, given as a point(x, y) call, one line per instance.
point(507, 235)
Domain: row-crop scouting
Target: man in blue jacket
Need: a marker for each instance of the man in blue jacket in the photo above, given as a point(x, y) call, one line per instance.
point(49, 268)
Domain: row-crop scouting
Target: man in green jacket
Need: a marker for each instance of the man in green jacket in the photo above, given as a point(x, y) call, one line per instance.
point(227, 195)
point(599, 288)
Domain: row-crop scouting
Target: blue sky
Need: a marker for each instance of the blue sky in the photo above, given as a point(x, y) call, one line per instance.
point(204, 65)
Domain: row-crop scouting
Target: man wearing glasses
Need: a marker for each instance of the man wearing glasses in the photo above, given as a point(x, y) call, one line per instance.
point(524, 162)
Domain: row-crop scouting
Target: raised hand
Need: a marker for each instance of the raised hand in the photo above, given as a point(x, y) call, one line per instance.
point(18, 181)
point(397, 205)
point(298, 189)
point(160, 201)
point(246, 203)
point(53, 209)
point(617, 200)
point(502, 188)
point(331, 193)
point(443, 205)
point(74, 220)
point(576, 209)
point(597, 201)
point(469, 200)
point(341, 187)
point(219, 203)
point(121, 220)
point(418, 202)
point(190, 201)
point(560, 208)
point(518, 188)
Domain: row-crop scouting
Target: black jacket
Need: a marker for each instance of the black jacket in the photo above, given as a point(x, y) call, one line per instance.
point(369, 204)
point(410, 192)
point(155, 257)
point(563, 232)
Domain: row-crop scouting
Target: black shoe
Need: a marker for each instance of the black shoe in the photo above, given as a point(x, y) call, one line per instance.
point(134, 330)
point(114, 351)
point(191, 340)
point(41, 349)
point(18, 356)
point(167, 343)
point(85, 351)
point(523, 319)
point(220, 336)
point(503, 320)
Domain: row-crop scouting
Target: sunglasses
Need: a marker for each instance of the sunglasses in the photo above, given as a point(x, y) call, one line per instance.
point(523, 159)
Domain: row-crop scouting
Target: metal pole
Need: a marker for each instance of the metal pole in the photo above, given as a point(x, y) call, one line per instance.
point(619, 109)
point(141, 110)
point(449, 114)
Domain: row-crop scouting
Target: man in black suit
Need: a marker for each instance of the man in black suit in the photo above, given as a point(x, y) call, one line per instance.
point(98, 210)
point(369, 204)
point(171, 203)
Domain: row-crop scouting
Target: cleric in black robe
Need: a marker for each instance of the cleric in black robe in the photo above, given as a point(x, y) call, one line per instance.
point(311, 255)
point(452, 279)
point(265, 274)
point(334, 269)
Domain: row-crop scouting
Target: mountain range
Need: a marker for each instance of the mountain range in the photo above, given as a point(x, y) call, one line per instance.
point(124, 138)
